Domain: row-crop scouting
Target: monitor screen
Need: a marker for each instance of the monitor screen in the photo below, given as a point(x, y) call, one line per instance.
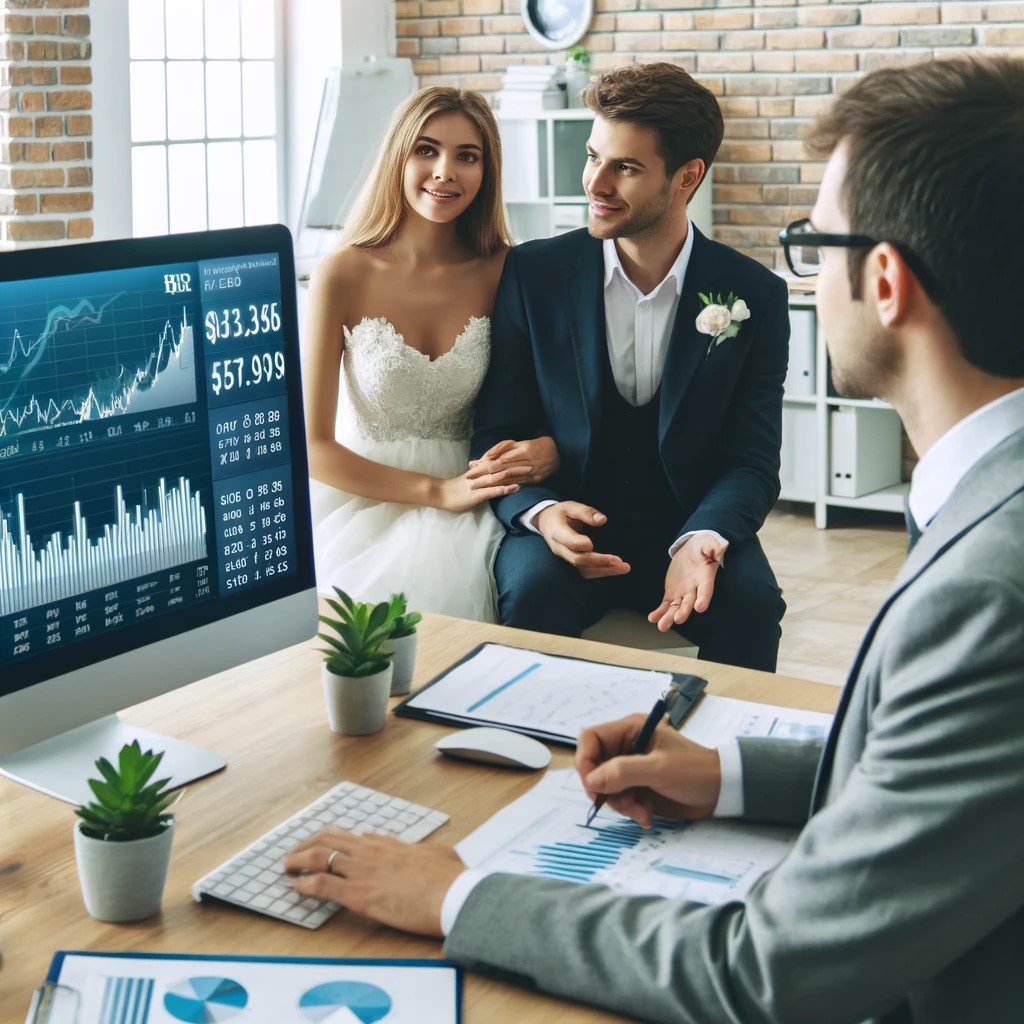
point(153, 479)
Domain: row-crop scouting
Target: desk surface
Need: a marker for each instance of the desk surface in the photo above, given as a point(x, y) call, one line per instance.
point(268, 720)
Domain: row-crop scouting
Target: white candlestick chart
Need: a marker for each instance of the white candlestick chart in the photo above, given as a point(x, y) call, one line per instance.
point(136, 543)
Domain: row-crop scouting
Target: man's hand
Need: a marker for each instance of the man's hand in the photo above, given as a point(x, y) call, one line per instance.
point(690, 580)
point(540, 453)
point(399, 884)
point(560, 526)
point(675, 779)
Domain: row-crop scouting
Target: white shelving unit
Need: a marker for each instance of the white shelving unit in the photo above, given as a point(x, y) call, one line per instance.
point(849, 460)
point(544, 155)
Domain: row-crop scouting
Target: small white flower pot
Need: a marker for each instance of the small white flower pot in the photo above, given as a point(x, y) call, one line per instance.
point(577, 78)
point(356, 705)
point(123, 881)
point(403, 662)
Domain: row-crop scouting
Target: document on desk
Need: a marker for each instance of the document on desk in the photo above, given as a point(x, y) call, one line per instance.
point(545, 695)
point(717, 719)
point(143, 988)
point(543, 834)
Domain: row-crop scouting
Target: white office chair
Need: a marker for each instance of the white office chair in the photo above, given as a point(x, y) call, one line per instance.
point(631, 629)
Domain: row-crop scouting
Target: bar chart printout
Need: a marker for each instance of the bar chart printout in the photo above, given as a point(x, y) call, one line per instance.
point(543, 834)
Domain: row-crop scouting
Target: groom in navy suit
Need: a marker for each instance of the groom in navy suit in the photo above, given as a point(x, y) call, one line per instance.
point(656, 359)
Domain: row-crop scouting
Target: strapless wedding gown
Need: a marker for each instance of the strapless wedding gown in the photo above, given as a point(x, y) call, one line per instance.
point(400, 408)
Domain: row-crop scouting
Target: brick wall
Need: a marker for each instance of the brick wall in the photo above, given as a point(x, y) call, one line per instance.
point(45, 122)
point(773, 64)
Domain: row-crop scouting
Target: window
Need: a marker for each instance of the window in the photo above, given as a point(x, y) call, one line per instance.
point(204, 114)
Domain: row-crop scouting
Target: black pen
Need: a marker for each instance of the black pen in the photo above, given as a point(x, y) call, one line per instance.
point(640, 745)
point(677, 703)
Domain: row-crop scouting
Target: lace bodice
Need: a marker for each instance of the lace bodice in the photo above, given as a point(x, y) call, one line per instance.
point(395, 392)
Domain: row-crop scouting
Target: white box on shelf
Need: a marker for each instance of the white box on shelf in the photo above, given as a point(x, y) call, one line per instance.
point(568, 217)
point(802, 342)
point(799, 472)
point(864, 451)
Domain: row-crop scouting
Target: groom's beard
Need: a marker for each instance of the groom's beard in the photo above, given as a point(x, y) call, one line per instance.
point(638, 221)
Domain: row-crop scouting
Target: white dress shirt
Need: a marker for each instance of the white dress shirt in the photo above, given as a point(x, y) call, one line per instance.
point(934, 479)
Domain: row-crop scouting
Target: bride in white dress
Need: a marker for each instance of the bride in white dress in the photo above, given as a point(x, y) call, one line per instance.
point(402, 306)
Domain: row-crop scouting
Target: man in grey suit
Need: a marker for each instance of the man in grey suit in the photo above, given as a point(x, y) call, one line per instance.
point(903, 897)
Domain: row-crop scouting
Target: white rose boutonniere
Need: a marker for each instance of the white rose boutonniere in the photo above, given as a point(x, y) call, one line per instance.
point(720, 319)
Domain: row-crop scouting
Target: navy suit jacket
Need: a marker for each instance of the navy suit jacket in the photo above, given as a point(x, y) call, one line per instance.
point(720, 410)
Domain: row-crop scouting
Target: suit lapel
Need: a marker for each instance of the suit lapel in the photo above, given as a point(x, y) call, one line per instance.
point(984, 490)
point(687, 346)
point(584, 299)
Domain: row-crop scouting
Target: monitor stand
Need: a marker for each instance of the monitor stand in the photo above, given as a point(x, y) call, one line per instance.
point(62, 765)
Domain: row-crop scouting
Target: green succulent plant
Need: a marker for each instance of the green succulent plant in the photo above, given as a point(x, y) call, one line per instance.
point(127, 806)
point(577, 55)
point(361, 628)
point(404, 621)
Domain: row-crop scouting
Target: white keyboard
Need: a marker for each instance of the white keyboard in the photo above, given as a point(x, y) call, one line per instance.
point(255, 879)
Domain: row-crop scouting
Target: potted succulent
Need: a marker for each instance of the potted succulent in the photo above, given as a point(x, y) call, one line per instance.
point(123, 838)
point(402, 644)
point(356, 671)
point(577, 73)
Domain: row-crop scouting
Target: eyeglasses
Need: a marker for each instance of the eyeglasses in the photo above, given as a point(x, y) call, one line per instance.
point(802, 245)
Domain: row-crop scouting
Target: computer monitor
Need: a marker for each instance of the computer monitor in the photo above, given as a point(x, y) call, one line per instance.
point(154, 503)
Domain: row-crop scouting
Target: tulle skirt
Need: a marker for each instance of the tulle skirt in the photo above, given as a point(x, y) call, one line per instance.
point(441, 560)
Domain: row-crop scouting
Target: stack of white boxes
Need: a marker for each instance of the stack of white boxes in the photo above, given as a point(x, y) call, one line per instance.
point(530, 89)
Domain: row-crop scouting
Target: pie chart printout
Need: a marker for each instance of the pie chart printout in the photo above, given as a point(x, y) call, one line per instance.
point(205, 1000)
point(345, 1002)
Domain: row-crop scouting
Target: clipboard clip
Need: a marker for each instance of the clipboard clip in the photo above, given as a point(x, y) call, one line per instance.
point(682, 696)
point(53, 1004)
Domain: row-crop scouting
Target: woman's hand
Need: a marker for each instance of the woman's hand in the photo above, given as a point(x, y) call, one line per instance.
point(539, 453)
point(461, 493)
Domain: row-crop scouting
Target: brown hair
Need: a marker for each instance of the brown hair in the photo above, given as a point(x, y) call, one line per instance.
point(379, 210)
point(936, 168)
point(683, 113)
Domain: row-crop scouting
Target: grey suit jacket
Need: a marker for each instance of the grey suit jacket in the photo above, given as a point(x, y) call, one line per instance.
point(903, 898)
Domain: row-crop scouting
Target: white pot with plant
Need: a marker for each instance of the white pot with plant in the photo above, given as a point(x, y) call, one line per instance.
point(402, 644)
point(356, 671)
point(577, 74)
point(123, 840)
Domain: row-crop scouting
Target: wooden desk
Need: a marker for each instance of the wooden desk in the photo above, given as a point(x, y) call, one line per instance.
point(268, 720)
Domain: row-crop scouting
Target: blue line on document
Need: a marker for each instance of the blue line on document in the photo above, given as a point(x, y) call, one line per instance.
point(504, 686)
point(700, 876)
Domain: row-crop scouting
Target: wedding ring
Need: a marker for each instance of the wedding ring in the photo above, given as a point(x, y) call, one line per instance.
point(330, 860)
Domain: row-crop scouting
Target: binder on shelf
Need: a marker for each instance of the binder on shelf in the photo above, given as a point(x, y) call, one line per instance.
point(864, 450)
point(800, 377)
point(121, 988)
point(799, 470)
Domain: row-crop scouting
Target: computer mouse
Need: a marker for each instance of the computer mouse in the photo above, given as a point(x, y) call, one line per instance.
point(495, 746)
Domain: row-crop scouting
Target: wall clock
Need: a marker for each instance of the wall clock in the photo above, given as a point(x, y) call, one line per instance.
point(558, 24)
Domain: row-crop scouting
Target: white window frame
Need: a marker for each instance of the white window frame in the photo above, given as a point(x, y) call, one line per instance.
point(112, 142)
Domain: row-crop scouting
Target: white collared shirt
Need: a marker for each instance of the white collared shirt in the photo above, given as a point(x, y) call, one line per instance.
point(946, 463)
point(639, 326)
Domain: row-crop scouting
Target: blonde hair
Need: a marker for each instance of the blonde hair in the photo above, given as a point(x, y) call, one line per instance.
point(378, 212)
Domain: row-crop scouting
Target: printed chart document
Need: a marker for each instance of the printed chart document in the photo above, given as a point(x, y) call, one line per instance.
point(543, 833)
point(141, 988)
point(543, 694)
point(717, 719)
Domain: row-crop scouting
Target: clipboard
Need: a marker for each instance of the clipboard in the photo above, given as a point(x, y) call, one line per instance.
point(488, 704)
point(90, 987)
